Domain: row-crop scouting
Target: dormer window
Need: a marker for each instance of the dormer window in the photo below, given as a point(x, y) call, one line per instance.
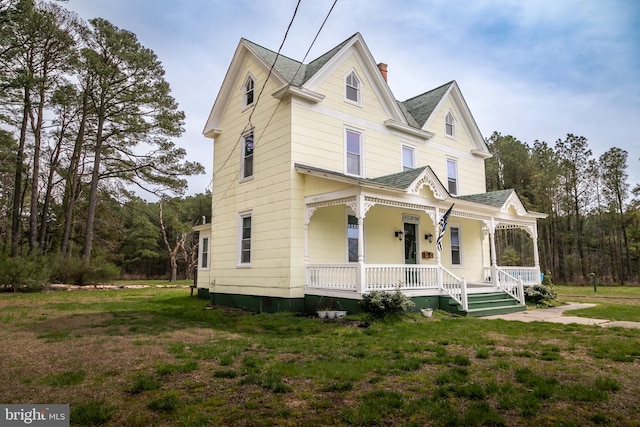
point(248, 92)
point(450, 125)
point(352, 88)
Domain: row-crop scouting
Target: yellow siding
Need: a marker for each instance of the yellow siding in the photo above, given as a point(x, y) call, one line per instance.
point(471, 173)
point(266, 195)
point(297, 131)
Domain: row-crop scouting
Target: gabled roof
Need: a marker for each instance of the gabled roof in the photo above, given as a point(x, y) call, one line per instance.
point(493, 198)
point(294, 72)
point(503, 199)
point(410, 181)
point(420, 107)
point(411, 116)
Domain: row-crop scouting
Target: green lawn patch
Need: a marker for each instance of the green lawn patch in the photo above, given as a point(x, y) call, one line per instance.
point(155, 356)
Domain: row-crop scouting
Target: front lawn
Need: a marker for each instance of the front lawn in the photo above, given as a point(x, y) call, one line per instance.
point(614, 302)
point(156, 356)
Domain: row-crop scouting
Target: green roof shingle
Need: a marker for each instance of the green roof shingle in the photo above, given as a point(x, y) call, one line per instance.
point(420, 107)
point(493, 198)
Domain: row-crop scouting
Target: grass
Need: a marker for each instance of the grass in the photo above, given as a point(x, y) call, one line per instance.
point(616, 303)
point(155, 356)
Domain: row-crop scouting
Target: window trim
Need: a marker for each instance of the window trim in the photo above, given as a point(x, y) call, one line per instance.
point(202, 252)
point(352, 73)
point(243, 157)
point(456, 177)
point(450, 117)
point(457, 227)
point(241, 217)
point(244, 91)
point(413, 157)
point(359, 132)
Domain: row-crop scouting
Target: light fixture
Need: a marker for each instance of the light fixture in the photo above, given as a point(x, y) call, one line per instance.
point(399, 234)
point(428, 237)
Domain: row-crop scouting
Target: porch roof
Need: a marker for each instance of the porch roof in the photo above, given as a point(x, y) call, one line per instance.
point(402, 181)
point(408, 181)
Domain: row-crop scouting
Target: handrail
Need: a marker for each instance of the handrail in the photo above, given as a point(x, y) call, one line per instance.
point(511, 285)
point(455, 287)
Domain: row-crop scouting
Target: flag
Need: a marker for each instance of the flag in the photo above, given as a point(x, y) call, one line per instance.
point(442, 226)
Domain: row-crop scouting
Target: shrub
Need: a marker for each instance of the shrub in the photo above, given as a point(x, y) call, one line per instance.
point(382, 303)
point(72, 270)
point(22, 274)
point(541, 295)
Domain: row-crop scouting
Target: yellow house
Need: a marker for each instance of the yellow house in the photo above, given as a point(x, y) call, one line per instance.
point(325, 187)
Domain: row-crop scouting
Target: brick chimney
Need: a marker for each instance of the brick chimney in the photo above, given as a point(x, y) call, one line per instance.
point(383, 70)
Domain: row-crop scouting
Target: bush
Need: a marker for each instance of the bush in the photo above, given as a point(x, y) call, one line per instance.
point(541, 295)
point(72, 270)
point(22, 274)
point(382, 303)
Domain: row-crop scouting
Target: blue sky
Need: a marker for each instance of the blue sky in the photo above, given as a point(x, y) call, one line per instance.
point(535, 69)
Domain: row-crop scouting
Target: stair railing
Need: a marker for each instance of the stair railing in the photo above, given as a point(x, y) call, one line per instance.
point(510, 285)
point(455, 287)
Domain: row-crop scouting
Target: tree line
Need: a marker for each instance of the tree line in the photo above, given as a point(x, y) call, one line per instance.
point(86, 117)
point(593, 223)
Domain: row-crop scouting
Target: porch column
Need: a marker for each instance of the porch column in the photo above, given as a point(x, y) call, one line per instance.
point(361, 280)
point(438, 252)
point(307, 219)
point(360, 208)
point(494, 262)
point(536, 256)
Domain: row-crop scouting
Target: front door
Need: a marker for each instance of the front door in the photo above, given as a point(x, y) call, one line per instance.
point(410, 243)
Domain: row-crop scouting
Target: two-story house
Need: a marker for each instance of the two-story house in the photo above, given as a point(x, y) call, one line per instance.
point(325, 185)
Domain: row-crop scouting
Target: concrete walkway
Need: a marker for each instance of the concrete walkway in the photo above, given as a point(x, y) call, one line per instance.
point(555, 315)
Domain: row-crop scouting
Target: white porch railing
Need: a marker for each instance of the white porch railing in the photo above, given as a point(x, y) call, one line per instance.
point(399, 277)
point(528, 275)
point(382, 277)
point(332, 276)
point(511, 285)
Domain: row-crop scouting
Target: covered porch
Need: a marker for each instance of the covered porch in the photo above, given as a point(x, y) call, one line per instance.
point(391, 238)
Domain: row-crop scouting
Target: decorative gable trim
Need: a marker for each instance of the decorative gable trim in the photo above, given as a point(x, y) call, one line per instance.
point(243, 53)
point(463, 118)
point(514, 201)
point(358, 47)
point(429, 179)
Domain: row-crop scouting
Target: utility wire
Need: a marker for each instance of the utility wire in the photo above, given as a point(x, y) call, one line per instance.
point(255, 141)
point(249, 125)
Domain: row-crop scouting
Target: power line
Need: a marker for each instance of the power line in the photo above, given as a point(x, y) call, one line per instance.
point(249, 125)
point(255, 141)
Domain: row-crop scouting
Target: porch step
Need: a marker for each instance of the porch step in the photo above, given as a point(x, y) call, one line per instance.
point(489, 304)
point(486, 304)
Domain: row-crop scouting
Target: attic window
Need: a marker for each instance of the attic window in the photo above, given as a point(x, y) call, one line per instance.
point(248, 91)
point(352, 87)
point(450, 125)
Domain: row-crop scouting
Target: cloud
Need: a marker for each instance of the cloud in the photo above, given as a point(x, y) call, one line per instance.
point(536, 69)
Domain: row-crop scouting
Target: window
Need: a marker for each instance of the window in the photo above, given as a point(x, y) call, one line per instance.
point(352, 238)
point(245, 239)
point(248, 92)
point(449, 125)
point(354, 153)
point(247, 156)
point(352, 88)
point(204, 253)
point(452, 177)
point(456, 254)
point(408, 158)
